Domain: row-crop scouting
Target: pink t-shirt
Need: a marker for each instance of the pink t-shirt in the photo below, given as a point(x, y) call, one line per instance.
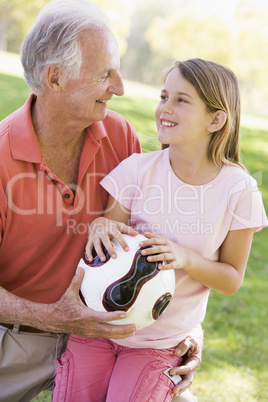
point(197, 217)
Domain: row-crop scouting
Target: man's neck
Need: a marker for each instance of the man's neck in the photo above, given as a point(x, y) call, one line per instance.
point(52, 129)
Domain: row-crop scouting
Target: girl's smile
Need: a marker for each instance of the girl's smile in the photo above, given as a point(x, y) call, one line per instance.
point(181, 115)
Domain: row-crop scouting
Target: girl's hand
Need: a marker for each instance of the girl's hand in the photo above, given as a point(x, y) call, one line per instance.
point(100, 233)
point(162, 249)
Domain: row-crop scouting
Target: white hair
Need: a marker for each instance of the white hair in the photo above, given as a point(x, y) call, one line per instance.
point(53, 39)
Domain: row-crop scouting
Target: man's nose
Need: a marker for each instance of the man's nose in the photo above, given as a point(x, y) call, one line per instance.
point(117, 86)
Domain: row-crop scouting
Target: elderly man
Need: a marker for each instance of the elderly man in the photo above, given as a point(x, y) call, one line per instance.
point(54, 151)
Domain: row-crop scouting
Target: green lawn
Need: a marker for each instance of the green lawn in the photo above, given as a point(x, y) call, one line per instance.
point(235, 358)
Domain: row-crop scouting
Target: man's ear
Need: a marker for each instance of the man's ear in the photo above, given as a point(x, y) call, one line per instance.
point(218, 120)
point(53, 78)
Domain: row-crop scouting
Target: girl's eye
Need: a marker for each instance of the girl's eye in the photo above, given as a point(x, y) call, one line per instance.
point(182, 100)
point(163, 97)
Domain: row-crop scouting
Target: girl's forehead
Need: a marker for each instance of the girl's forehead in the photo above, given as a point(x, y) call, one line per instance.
point(175, 77)
point(176, 82)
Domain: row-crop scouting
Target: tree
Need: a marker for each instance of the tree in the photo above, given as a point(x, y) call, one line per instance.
point(140, 62)
point(16, 17)
point(6, 8)
point(251, 60)
point(119, 14)
point(186, 36)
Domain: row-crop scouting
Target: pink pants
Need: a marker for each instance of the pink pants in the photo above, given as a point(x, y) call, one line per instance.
point(99, 370)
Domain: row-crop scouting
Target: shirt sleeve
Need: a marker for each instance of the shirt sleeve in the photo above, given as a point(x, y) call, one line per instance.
point(3, 212)
point(248, 211)
point(122, 182)
point(136, 144)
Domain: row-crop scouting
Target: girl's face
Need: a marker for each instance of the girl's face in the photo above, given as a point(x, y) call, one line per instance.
point(182, 116)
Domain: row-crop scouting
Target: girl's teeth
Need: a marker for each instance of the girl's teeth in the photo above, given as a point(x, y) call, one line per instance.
point(167, 123)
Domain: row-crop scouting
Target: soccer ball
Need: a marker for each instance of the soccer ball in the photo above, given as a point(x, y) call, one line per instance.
point(128, 283)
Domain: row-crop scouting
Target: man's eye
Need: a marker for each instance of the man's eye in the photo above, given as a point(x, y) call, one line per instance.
point(104, 76)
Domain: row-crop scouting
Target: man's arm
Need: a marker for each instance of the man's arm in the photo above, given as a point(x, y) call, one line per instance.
point(68, 315)
point(191, 351)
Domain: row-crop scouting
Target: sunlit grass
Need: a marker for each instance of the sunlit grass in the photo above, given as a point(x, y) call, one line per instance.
point(228, 382)
point(235, 358)
point(10, 64)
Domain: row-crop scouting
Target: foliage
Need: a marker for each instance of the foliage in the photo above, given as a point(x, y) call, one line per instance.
point(119, 15)
point(15, 20)
point(140, 63)
point(235, 367)
point(241, 45)
point(164, 35)
point(151, 33)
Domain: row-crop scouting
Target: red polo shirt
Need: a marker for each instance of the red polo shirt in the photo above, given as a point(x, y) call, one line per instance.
point(43, 226)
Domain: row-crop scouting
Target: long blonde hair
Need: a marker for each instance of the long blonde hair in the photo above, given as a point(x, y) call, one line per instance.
point(218, 87)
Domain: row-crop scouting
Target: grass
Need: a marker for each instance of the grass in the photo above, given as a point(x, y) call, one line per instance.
point(235, 358)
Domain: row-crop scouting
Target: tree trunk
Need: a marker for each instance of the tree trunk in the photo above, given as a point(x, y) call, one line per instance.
point(3, 33)
point(5, 8)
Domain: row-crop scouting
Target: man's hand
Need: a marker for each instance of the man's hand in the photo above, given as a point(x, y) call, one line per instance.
point(191, 350)
point(69, 315)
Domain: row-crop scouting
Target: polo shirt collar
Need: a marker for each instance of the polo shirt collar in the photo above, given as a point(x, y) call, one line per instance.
point(97, 130)
point(23, 141)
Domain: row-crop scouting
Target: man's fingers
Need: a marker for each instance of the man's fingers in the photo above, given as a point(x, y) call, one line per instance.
point(187, 345)
point(117, 331)
point(101, 325)
point(109, 317)
point(183, 385)
point(77, 280)
point(105, 317)
point(191, 366)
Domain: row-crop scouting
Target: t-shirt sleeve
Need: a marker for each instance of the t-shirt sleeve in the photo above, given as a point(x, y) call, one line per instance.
point(122, 182)
point(248, 211)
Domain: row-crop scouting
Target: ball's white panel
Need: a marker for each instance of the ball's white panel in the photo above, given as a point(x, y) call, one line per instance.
point(97, 279)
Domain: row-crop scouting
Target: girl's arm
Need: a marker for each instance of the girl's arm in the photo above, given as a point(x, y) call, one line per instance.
point(114, 222)
point(225, 275)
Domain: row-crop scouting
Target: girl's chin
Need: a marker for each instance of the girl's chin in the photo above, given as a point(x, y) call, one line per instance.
point(163, 140)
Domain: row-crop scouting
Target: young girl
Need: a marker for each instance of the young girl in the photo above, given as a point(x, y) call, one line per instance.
point(198, 207)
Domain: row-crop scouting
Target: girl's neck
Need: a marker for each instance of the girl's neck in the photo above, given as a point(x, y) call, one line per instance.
point(192, 167)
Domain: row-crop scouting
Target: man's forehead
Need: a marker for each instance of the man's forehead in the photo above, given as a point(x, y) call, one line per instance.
point(100, 50)
point(101, 38)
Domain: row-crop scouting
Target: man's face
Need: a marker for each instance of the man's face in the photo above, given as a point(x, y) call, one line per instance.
point(86, 98)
